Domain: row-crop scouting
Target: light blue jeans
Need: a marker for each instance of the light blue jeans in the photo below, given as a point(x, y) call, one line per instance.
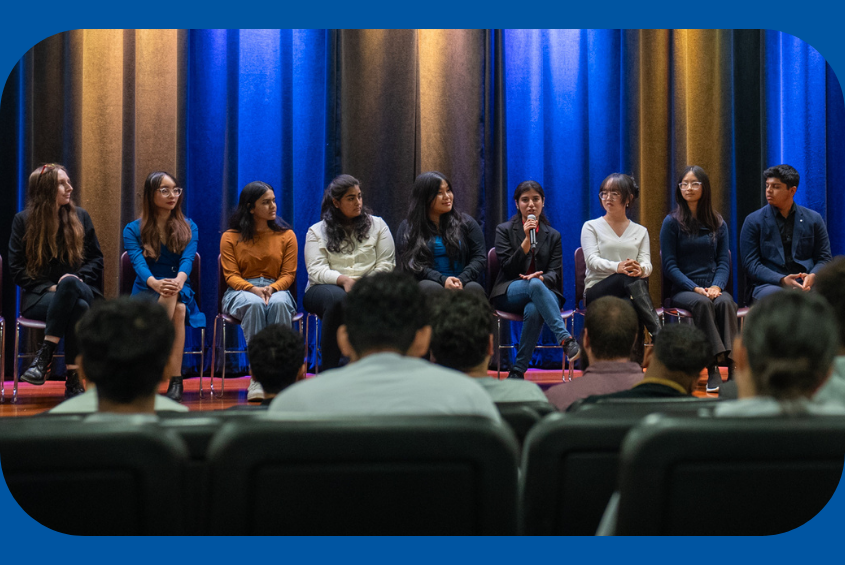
point(253, 313)
point(537, 304)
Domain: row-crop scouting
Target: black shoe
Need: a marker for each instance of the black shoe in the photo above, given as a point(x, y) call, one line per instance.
point(645, 309)
point(714, 378)
point(39, 370)
point(516, 375)
point(570, 347)
point(174, 389)
point(731, 369)
point(72, 385)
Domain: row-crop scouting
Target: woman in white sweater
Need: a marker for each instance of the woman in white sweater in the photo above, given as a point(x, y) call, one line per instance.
point(617, 251)
point(346, 245)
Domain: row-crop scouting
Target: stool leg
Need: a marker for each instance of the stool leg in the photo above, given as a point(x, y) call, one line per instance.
point(223, 360)
point(202, 357)
point(2, 361)
point(16, 360)
point(213, 358)
point(498, 348)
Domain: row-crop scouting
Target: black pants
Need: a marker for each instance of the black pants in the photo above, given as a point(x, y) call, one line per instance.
point(431, 288)
point(62, 310)
point(716, 318)
point(326, 300)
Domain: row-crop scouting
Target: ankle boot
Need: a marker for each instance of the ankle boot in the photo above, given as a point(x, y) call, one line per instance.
point(643, 306)
point(174, 389)
point(72, 385)
point(39, 370)
point(714, 378)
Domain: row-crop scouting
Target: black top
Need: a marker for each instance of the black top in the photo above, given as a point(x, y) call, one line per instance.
point(513, 261)
point(473, 252)
point(91, 270)
point(643, 390)
point(786, 227)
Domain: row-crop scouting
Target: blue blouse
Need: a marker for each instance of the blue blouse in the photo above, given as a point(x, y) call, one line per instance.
point(167, 266)
point(442, 262)
point(691, 261)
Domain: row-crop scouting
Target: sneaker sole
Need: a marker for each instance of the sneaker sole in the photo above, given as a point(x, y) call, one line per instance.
point(708, 389)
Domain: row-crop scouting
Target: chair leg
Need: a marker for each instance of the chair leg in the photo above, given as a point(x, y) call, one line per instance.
point(304, 321)
point(2, 361)
point(223, 360)
point(317, 331)
point(202, 357)
point(16, 361)
point(498, 348)
point(213, 367)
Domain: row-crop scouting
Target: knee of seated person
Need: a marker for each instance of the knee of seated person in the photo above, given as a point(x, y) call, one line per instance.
point(535, 284)
point(180, 312)
point(69, 284)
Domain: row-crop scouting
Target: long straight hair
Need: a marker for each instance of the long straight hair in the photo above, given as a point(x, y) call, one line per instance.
point(705, 215)
point(177, 230)
point(242, 220)
point(47, 234)
point(416, 254)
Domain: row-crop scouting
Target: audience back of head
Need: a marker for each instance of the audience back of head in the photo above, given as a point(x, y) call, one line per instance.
point(681, 352)
point(125, 344)
point(275, 357)
point(461, 328)
point(790, 339)
point(830, 284)
point(611, 325)
point(385, 311)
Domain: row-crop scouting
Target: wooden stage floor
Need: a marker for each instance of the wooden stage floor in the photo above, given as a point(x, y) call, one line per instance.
point(36, 399)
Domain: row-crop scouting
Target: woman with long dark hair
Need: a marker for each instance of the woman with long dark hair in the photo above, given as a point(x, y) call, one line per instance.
point(696, 263)
point(442, 248)
point(347, 244)
point(162, 245)
point(528, 282)
point(617, 253)
point(258, 255)
point(55, 258)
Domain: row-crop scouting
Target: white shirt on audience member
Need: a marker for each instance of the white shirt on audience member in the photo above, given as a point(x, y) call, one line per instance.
point(512, 390)
point(387, 384)
point(604, 250)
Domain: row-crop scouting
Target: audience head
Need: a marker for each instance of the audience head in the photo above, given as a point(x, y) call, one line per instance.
point(623, 185)
point(680, 353)
point(787, 346)
point(343, 208)
point(256, 204)
point(830, 285)
point(461, 331)
point(124, 345)
point(385, 312)
point(275, 357)
point(610, 328)
point(530, 198)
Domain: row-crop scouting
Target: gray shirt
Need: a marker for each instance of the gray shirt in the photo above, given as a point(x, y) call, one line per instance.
point(834, 389)
point(512, 390)
point(387, 384)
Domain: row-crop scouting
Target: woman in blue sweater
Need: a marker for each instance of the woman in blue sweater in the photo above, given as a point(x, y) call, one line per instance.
point(696, 264)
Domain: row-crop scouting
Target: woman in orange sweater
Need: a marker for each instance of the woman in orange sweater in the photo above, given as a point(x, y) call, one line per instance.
point(258, 255)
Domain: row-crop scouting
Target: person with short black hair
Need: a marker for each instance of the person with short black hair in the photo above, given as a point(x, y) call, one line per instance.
point(830, 284)
point(783, 245)
point(275, 359)
point(610, 330)
point(673, 365)
point(124, 347)
point(784, 356)
point(386, 330)
point(462, 339)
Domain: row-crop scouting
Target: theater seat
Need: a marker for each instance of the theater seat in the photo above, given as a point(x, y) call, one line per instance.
point(103, 478)
point(391, 475)
point(721, 476)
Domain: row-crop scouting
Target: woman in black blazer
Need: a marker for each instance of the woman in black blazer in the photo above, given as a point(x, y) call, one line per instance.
point(55, 258)
point(528, 278)
point(442, 248)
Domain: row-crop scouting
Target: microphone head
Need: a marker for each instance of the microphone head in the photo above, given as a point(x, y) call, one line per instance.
point(532, 217)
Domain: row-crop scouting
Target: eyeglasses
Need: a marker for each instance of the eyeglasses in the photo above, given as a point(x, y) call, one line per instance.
point(168, 191)
point(696, 184)
point(613, 195)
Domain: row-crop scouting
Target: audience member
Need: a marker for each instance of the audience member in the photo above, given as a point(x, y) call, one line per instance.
point(461, 339)
point(124, 346)
point(674, 365)
point(610, 328)
point(784, 355)
point(275, 358)
point(386, 330)
point(830, 284)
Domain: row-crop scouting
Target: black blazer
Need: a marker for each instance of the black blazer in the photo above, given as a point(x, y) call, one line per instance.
point(513, 261)
point(473, 252)
point(91, 270)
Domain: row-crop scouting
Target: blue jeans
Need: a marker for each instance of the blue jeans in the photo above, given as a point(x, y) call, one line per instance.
point(537, 304)
point(253, 313)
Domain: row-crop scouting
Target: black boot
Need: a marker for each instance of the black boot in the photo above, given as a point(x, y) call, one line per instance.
point(174, 389)
point(643, 306)
point(39, 370)
point(72, 385)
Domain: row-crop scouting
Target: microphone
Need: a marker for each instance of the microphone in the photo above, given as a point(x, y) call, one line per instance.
point(533, 233)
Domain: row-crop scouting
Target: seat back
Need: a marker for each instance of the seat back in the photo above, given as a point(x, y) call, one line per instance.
point(127, 276)
point(580, 276)
point(389, 475)
point(520, 416)
point(492, 268)
point(727, 476)
point(104, 478)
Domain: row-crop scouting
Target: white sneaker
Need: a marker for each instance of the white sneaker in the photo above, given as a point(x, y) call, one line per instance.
point(254, 393)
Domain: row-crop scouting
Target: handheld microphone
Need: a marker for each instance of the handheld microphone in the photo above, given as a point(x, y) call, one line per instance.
point(533, 233)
